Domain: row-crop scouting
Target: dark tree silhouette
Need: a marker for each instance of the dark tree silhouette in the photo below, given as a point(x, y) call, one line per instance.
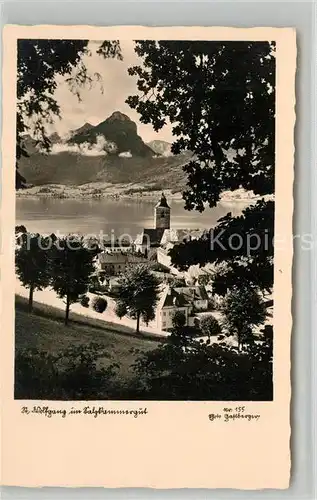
point(243, 309)
point(71, 269)
point(220, 100)
point(243, 243)
point(20, 229)
point(137, 295)
point(31, 263)
point(178, 320)
point(205, 372)
point(209, 325)
point(71, 374)
point(39, 62)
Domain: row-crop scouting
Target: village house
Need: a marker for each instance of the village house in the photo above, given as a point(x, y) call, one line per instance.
point(118, 246)
point(175, 236)
point(189, 300)
point(164, 259)
point(116, 263)
point(172, 237)
point(112, 245)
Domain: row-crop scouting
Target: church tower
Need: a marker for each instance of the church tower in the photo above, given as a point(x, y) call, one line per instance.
point(162, 214)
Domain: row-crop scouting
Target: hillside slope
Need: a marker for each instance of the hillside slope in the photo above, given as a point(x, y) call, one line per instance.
point(72, 169)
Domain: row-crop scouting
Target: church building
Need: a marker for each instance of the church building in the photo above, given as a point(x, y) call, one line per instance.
point(162, 214)
point(150, 238)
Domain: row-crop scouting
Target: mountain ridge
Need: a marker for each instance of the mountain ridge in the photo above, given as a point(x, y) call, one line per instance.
point(118, 129)
point(110, 151)
point(74, 169)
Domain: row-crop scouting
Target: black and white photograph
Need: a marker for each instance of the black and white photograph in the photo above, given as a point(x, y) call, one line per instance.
point(144, 255)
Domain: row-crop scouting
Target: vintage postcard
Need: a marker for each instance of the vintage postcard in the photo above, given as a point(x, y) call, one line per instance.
point(147, 256)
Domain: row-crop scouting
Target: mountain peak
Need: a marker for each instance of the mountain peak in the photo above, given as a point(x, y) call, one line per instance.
point(84, 128)
point(117, 115)
point(117, 129)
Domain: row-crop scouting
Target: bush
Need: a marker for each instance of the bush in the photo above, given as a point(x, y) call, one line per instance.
point(71, 374)
point(97, 192)
point(179, 319)
point(85, 301)
point(99, 304)
point(196, 371)
point(209, 325)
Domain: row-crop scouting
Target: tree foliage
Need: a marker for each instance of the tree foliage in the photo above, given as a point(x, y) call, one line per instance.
point(169, 372)
point(32, 262)
point(178, 320)
point(220, 100)
point(39, 64)
point(243, 309)
point(205, 372)
point(209, 325)
point(71, 269)
point(243, 243)
point(72, 374)
point(138, 294)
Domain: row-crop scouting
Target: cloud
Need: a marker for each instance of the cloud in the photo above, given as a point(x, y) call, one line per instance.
point(84, 149)
point(101, 148)
point(125, 154)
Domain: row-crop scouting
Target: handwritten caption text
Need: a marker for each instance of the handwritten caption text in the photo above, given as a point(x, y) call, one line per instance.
point(234, 414)
point(94, 411)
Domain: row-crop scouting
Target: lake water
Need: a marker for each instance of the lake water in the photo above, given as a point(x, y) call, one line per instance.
point(46, 215)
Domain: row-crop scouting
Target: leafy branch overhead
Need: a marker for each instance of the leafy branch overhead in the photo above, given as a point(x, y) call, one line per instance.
point(244, 244)
point(220, 100)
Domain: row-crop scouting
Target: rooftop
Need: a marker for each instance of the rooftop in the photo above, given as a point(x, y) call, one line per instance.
point(150, 235)
point(120, 258)
point(183, 296)
point(181, 235)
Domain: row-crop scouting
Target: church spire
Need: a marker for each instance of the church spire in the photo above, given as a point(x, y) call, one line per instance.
point(162, 214)
point(163, 202)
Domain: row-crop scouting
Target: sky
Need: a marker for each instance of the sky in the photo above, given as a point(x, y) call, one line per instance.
point(96, 106)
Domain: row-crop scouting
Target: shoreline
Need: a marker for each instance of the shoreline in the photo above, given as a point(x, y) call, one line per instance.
point(102, 191)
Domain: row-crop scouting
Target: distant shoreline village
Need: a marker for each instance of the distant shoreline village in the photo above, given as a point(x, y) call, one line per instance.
point(100, 190)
